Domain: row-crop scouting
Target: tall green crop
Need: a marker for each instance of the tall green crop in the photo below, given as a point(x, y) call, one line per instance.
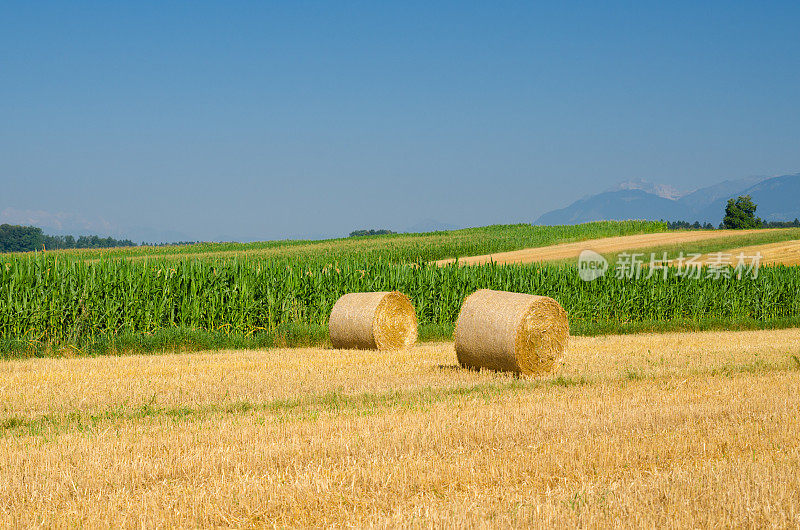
point(397, 248)
point(63, 299)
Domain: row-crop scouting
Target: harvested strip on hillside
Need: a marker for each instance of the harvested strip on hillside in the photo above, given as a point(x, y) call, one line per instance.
point(603, 246)
point(782, 253)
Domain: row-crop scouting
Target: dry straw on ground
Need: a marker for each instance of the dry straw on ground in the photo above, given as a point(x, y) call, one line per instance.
point(369, 321)
point(704, 435)
point(603, 245)
point(511, 332)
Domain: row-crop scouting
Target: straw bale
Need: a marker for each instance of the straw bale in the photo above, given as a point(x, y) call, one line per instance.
point(513, 332)
point(373, 321)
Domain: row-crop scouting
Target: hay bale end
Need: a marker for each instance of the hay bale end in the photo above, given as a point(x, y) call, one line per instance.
point(373, 321)
point(513, 332)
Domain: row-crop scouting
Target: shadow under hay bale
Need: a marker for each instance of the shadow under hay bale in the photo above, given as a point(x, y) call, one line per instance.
point(513, 332)
point(373, 321)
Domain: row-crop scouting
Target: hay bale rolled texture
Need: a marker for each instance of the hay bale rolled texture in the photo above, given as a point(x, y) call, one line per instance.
point(511, 332)
point(369, 321)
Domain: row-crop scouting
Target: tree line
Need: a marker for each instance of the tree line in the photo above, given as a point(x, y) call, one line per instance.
point(740, 213)
point(16, 238)
point(686, 225)
point(381, 232)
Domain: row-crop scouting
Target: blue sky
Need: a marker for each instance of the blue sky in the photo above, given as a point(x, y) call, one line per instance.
point(248, 121)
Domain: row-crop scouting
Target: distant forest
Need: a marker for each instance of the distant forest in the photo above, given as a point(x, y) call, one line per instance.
point(360, 233)
point(686, 225)
point(15, 238)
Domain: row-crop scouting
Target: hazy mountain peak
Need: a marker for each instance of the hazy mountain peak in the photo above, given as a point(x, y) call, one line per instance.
point(430, 225)
point(724, 190)
point(74, 224)
point(776, 198)
point(57, 222)
point(665, 191)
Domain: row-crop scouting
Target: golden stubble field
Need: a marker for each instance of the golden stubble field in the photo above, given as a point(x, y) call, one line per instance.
point(782, 253)
point(778, 253)
point(606, 245)
point(692, 429)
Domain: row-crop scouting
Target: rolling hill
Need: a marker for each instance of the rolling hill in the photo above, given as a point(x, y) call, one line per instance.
point(776, 198)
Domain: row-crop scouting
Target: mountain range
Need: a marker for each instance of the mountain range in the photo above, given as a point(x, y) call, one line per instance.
point(778, 199)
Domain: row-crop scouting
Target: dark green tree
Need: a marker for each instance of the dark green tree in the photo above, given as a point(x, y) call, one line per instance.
point(15, 238)
point(373, 232)
point(741, 213)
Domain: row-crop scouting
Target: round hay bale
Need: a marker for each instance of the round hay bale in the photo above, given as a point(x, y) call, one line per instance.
point(369, 321)
point(513, 332)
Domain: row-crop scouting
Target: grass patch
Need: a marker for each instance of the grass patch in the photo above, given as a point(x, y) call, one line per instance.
point(632, 374)
point(436, 332)
point(168, 340)
point(311, 407)
point(591, 329)
point(178, 340)
point(301, 408)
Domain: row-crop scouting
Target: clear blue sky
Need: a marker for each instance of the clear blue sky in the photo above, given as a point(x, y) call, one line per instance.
point(260, 120)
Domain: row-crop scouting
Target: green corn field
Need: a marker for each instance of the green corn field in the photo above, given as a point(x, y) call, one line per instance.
point(397, 248)
point(64, 300)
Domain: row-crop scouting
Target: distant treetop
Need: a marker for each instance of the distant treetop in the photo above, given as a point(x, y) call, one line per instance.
point(381, 232)
point(741, 213)
point(15, 238)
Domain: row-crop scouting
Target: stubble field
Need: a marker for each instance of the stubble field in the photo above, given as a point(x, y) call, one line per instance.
point(684, 429)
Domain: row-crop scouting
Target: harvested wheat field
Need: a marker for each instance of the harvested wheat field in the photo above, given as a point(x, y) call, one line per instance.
point(603, 246)
point(783, 253)
point(693, 429)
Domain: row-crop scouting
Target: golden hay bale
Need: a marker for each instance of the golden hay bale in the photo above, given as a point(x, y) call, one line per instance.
point(369, 321)
point(510, 331)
